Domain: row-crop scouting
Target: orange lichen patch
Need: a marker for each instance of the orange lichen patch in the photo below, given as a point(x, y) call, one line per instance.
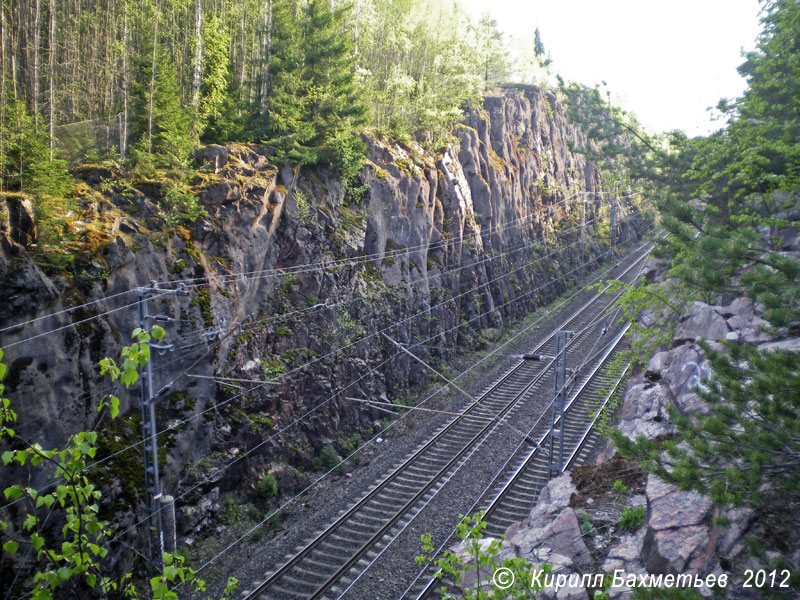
point(91, 242)
point(182, 233)
point(208, 180)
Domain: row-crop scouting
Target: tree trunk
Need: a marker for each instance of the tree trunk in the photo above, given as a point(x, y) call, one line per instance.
point(52, 74)
point(13, 54)
point(244, 59)
point(35, 86)
point(198, 53)
point(2, 94)
point(123, 137)
point(355, 30)
point(152, 87)
point(268, 57)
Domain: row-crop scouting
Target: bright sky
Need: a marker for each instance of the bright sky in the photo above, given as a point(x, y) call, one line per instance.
point(666, 61)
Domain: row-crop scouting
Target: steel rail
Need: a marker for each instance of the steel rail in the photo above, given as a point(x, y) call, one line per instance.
point(432, 480)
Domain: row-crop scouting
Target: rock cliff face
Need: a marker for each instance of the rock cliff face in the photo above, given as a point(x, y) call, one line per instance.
point(457, 246)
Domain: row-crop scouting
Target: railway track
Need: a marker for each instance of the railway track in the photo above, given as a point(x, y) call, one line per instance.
point(321, 567)
point(520, 485)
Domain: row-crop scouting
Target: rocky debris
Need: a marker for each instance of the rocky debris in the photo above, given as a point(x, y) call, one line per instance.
point(214, 157)
point(192, 518)
point(644, 412)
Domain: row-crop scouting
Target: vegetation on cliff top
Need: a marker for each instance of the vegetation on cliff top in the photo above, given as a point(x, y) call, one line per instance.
point(141, 83)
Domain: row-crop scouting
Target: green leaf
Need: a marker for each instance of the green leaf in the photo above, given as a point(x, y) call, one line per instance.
point(30, 522)
point(129, 377)
point(14, 492)
point(158, 332)
point(114, 407)
point(11, 547)
point(8, 456)
point(64, 573)
point(37, 541)
point(3, 370)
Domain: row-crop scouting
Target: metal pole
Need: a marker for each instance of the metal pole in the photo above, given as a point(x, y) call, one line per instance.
point(583, 234)
point(152, 490)
point(613, 226)
point(155, 522)
point(557, 407)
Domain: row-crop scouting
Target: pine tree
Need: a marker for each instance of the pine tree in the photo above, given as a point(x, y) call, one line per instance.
point(747, 177)
point(217, 108)
point(334, 97)
point(492, 55)
point(282, 123)
point(313, 100)
point(172, 139)
point(538, 46)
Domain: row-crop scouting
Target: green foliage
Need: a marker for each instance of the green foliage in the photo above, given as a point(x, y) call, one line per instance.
point(25, 166)
point(751, 435)
point(231, 510)
point(328, 458)
point(218, 110)
point(632, 518)
point(483, 559)
point(586, 525)
point(619, 487)
point(272, 368)
point(492, 55)
point(652, 310)
point(346, 153)
point(349, 444)
point(164, 138)
point(267, 486)
point(181, 206)
point(725, 246)
point(538, 46)
point(304, 208)
point(314, 100)
point(73, 556)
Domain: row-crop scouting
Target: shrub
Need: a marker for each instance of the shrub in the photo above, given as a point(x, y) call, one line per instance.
point(632, 518)
point(329, 458)
point(267, 486)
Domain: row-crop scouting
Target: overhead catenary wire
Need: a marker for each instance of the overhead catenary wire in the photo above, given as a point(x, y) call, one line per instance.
point(480, 496)
point(450, 475)
point(364, 258)
point(75, 323)
point(341, 348)
point(249, 276)
point(300, 419)
point(283, 271)
point(288, 502)
point(297, 369)
point(65, 310)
